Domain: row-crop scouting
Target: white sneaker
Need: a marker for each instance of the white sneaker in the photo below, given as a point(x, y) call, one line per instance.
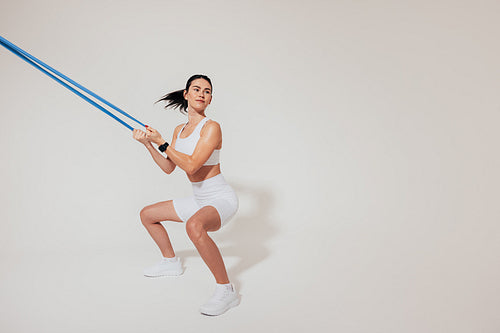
point(165, 268)
point(222, 300)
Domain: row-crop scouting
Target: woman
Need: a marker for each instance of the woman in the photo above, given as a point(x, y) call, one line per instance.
point(195, 149)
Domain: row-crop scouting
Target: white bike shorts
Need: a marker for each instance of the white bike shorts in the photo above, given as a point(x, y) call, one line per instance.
point(214, 191)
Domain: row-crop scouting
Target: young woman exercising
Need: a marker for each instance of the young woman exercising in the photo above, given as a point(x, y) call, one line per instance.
point(195, 149)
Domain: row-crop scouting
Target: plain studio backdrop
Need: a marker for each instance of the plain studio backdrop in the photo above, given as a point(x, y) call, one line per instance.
point(361, 137)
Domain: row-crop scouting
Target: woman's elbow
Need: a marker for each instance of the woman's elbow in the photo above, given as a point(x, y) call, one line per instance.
point(168, 171)
point(192, 169)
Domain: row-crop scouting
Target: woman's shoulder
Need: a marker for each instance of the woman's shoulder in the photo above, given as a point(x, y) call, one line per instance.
point(211, 122)
point(179, 127)
point(211, 127)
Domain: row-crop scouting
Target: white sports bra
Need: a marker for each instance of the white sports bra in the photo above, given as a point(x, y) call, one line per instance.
point(187, 145)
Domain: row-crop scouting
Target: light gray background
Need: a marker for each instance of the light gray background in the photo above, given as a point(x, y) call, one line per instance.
point(361, 136)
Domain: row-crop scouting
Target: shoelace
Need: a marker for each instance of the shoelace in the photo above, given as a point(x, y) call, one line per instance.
point(220, 296)
point(167, 266)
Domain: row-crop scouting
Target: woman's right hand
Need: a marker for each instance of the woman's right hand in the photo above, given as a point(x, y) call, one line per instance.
point(141, 136)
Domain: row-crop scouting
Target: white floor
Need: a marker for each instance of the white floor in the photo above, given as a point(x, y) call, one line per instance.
point(381, 286)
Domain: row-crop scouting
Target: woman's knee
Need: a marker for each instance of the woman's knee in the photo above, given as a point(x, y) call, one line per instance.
point(145, 215)
point(195, 229)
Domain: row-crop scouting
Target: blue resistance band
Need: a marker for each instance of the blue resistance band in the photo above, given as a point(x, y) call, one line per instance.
point(36, 62)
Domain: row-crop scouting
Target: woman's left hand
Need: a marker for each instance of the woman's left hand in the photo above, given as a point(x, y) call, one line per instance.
point(154, 136)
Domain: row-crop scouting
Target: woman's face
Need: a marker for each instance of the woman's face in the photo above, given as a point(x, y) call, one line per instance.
point(199, 94)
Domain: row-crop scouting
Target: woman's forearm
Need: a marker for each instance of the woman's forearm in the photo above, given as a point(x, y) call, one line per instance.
point(182, 160)
point(164, 163)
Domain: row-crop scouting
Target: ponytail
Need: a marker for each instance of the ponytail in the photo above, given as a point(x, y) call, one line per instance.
point(176, 99)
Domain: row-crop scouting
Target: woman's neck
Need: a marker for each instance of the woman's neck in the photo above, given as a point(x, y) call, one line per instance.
point(194, 116)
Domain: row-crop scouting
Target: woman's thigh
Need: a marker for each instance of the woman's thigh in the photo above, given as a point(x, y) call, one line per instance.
point(160, 211)
point(207, 218)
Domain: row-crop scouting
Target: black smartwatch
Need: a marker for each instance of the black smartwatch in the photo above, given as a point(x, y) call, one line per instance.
point(163, 147)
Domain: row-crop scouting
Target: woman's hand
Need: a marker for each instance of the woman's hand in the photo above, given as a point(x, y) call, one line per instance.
point(141, 136)
point(154, 136)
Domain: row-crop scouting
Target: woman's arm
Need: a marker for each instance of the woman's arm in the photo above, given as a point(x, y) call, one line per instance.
point(163, 162)
point(210, 138)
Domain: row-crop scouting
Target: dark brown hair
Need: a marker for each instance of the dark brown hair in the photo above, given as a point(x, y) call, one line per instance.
point(175, 99)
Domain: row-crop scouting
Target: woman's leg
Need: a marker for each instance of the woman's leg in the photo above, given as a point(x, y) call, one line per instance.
point(151, 216)
point(204, 220)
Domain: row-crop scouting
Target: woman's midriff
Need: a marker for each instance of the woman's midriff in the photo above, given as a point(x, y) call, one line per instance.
point(205, 172)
